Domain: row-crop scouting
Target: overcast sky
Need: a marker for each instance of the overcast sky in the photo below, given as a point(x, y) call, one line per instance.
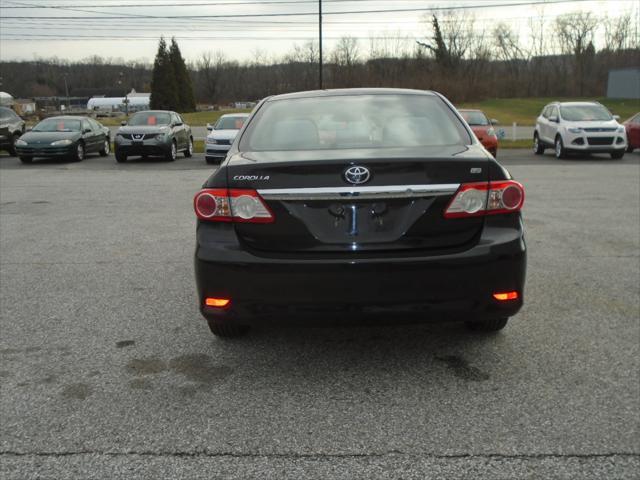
point(129, 30)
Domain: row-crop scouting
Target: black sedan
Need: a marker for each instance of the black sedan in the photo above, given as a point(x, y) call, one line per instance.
point(67, 137)
point(374, 203)
point(156, 133)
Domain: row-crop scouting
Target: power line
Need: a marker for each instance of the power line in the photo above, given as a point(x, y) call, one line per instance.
point(235, 24)
point(294, 14)
point(178, 5)
point(44, 37)
point(22, 5)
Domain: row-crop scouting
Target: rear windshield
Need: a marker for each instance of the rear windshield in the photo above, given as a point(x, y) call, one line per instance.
point(585, 113)
point(150, 119)
point(474, 118)
point(354, 121)
point(58, 125)
point(230, 123)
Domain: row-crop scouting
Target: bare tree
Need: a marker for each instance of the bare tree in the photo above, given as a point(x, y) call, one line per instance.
point(575, 31)
point(506, 43)
point(346, 51)
point(618, 33)
point(345, 56)
point(451, 38)
point(210, 67)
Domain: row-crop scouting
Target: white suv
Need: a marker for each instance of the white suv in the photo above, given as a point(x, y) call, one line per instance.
point(586, 127)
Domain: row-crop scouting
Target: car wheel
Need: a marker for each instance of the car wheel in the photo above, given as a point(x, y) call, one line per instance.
point(106, 149)
point(617, 155)
point(211, 161)
point(221, 329)
point(172, 154)
point(629, 148)
point(492, 325)
point(78, 156)
point(26, 159)
point(559, 148)
point(12, 148)
point(120, 157)
point(189, 151)
point(538, 146)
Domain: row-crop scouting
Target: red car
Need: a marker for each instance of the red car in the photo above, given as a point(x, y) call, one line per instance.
point(633, 132)
point(483, 128)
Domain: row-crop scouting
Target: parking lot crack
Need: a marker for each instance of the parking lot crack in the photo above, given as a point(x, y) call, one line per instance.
point(319, 455)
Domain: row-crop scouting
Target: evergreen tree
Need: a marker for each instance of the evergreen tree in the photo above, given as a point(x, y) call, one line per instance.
point(164, 88)
point(186, 97)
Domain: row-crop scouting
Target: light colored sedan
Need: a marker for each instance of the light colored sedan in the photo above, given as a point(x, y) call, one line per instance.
point(221, 136)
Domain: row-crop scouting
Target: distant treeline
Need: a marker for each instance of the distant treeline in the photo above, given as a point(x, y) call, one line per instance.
point(456, 59)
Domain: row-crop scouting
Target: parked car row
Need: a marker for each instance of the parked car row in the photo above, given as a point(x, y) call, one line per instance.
point(567, 127)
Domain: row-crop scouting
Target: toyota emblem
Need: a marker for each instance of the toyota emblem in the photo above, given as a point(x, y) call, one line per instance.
point(357, 175)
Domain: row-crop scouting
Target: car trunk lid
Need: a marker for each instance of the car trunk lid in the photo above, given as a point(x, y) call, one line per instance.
point(399, 207)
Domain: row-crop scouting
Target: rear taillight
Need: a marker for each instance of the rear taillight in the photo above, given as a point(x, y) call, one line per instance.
point(482, 198)
point(231, 205)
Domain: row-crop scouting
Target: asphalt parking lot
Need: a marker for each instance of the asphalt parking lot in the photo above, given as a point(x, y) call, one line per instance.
point(108, 370)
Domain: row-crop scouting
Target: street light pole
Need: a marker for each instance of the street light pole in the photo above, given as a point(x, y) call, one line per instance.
point(320, 41)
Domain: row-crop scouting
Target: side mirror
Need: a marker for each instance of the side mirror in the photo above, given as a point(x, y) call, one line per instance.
point(178, 124)
point(86, 130)
point(616, 118)
point(209, 127)
point(123, 123)
point(494, 122)
point(553, 119)
point(28, 129)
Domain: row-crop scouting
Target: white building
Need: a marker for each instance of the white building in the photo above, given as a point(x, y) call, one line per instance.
point(132, 102)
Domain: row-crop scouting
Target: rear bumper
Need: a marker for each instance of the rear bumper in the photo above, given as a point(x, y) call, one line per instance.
point(440, 288)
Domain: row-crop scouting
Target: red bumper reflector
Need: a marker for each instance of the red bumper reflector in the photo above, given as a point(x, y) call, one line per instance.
point(503, 296)
point(217, 302)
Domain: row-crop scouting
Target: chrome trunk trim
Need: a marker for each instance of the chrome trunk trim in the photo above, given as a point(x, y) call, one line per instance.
point(360, 193)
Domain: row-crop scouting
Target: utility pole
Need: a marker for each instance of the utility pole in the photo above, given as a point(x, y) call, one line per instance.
point(66, 89)
point(320, 41)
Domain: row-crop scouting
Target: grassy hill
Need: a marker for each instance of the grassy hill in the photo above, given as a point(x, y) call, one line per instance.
point(524, 111)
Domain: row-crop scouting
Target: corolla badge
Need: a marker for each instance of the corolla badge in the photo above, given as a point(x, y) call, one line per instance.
point(357, 175)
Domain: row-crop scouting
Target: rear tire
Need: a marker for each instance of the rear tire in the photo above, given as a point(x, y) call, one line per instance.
point(222, 329)
point(492, 325)
point(559, 148)
point(106, 149)
point(188, 153)
point(211, 161)
point(629, 148)
point(120, 157)
point(538, 146)
point(26, 159)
